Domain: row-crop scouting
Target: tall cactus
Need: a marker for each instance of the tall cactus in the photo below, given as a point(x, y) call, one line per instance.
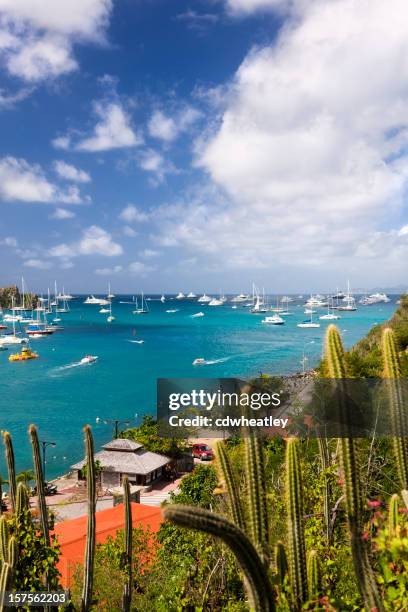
point(5, 582)
point(42, 506)
point(348, 452)
point(392, 373)
point(281, 562)
point(256, 481)
point(296, 538)
point(259, 589)
point(325, 464)
point(314, 575)
point(393, 514)
point(127, 589)
point(11, 468)
point(4, 539)
point(22, 499)
point(91, 530)
point(231, 485)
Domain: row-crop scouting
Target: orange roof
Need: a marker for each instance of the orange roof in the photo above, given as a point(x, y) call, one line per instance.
point(72, 534)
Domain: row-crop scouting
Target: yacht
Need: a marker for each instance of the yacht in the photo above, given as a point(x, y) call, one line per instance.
point(242, 297)
point(180, 296)
point(199, 361)
point(204, 299)
point(191, 295)
point(374, 298)
point(274, 320)
point(97, 301)
point(317, 301)
point(215, 302)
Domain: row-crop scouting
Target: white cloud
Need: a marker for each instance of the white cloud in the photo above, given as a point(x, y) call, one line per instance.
point(62, 214)
point(310, 152)
point(9, 241)
point(37, 36)
point(94, 241)
point(109, 271)
point(21, 181)
point(140, 268)
point(112, 131)
point(153, 162)
point(167, 128)
point(129, 231)
point(149, 253)
point(70, 173)
point(37, 263)
point(251, 6)
point(61, 142)
point(132, 214)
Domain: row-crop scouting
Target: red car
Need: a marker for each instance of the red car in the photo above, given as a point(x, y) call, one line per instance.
point(203, 452)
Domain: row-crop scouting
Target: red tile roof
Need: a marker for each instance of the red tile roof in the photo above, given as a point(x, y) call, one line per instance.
point(72, 534)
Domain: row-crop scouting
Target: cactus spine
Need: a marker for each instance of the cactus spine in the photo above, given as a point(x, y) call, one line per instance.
point(314, 575)
point(42, 506)
point(4, 539)
point(11, 468)
point(348, 452)
point(5, 582)
point(259, 589)
point(22, 499)
point(231, 485)
point(393, 514)
point(281, 562)
point(296, 538)
point(392, 372)
point(90, 535)
point(127, 589)
point(257, 510)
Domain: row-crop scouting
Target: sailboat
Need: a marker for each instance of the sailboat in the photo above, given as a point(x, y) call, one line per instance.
point(111, 317)
point(309, 323)
point(330, 316)
point(12, 338)
point(144, 309)
point(110, 295)
point(350, 302)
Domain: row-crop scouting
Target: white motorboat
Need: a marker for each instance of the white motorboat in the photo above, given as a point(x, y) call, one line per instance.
point(88, 359)
point(309, 311)
point(197, 314)
point(191, 295)
point(374, 298)
point(215, 302)
point(242, 297)
point(199, 361)
point(12, 339)
point(180, 296)
point(104, 310)
point(308, 324)
point(329, 317)
point(171, 311)
point(204, 299)
point(96, 301)
point(274, 320)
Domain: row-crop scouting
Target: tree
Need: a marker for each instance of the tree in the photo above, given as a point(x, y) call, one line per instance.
point(148, 434)
point(26, 476)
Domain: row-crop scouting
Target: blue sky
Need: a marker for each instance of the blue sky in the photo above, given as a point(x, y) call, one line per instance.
point(203, 145)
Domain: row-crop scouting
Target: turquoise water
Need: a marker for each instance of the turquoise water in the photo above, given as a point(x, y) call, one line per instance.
point(60, 397)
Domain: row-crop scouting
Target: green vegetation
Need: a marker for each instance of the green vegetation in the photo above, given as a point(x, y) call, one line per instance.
point(147, 434)
point(8, 293)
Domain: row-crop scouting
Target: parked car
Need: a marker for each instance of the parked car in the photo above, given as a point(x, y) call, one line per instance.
point(203, 452)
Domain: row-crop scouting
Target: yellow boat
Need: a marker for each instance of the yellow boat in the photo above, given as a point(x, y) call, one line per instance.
point(25, 355)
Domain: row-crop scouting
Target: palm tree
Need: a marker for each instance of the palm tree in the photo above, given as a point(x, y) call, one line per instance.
point(2, 482)
point(26, 476)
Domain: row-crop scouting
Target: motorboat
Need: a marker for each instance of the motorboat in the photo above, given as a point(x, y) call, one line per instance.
point(104, 310)
point(242, 297)
point(25, 355)
point(88, 359)
point(308, 324)
point(374, 298)
point(329, 317)
point(215, 302)
point(172, 311)
point(204, 299)
point(96, 301)
point(274, 320)
point(180, 296)
point(199, 361)
point(197, 314)
point(191, 295)
point(12, 339)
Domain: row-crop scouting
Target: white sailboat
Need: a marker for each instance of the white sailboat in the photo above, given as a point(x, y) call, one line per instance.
point(111, 317)
point(309, 323)
point(330, 316)
point(110, 295)
point(12, 338)
point(349, 301)
point(144, 309)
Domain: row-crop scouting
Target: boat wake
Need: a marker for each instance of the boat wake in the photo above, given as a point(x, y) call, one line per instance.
point(213, 361)
point(136, 341)
point(69, 366)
